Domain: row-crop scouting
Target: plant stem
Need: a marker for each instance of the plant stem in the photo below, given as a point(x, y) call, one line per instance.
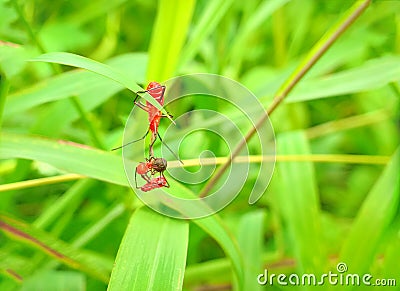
point(347, 159)
point(348, 123)
point(318, 50)
point(39, 182)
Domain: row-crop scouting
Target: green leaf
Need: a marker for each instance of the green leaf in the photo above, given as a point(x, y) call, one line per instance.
point(373, 219)
point(152, 254)
point(169, 34)
point(77, 83)
point(98, 68)
point(64, 155)
point(298, 204)
point(372, 75)
point(212, 224)
point(250, 238)
point(108, 167)
point(59, 250)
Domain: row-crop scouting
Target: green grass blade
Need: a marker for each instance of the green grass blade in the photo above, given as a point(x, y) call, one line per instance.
point(77, 83)
point(371, 75)
point(91, 89)
point(213, 225)
point(152, 254)
point(67, 156)
point(250, 238)
point(59, 250)
point(212, 15)
point(373, 219)
point(97, 227)
point(169, 34)
point(72, 196)
point(298, 203)
point(98, 68)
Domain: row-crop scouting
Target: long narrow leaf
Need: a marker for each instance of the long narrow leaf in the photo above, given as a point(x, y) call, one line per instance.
point(77, 83)
point(67, 156)
point(298, 203)
point(169, 33)
point(55, 248)
point(373, 219)
point(98, 68)
point(250, 238)
point(152, 254)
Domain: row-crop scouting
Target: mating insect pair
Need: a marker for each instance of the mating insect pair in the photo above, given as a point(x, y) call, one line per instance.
point(148, 169)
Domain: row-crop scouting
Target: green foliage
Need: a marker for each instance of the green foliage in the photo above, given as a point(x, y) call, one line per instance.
point(68, 70)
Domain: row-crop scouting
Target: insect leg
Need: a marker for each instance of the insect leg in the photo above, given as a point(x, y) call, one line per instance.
point(131, 142)
point(162, 175)
point(153, 140)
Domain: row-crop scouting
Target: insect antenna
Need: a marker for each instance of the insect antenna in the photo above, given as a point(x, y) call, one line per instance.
point(171, 151)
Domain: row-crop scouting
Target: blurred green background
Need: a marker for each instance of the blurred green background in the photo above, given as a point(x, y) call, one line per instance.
point(335, 198)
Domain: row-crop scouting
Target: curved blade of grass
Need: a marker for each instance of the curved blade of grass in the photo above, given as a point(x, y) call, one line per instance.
point(67, 156)
point(373, 219)
point(169, 34)
point(298, 204)
point(59, 250)
point(152, 254)
point(77, 83)
point(98, 68)
point(250, 238)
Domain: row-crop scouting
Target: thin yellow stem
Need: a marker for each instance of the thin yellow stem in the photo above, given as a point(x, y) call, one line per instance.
point(347, 123)
point(39, 182)
point(347, 159)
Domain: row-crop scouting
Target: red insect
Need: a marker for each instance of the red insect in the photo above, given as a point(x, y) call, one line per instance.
point(148, 169)
point(157, 91)
point(154, 183)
